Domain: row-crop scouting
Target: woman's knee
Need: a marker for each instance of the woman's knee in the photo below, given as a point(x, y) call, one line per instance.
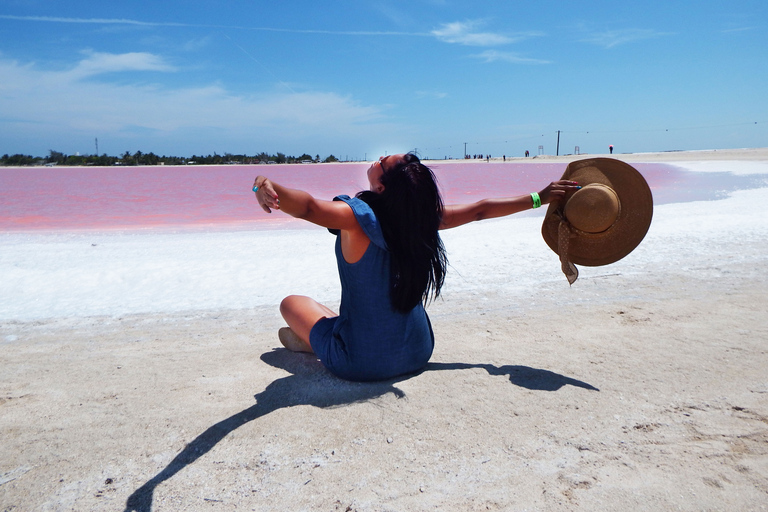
point(291, 304)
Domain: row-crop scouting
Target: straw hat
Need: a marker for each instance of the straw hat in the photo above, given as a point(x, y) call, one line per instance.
point(604, 220)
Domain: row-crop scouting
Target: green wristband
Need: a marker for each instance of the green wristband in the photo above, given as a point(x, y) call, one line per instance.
point(536, 199)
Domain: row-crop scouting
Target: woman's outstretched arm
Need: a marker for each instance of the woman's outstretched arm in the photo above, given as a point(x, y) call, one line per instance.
point(302, 205)
point(460, 214)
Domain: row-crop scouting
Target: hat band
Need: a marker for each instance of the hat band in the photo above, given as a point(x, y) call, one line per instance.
point(566, 231)
point(563, 239)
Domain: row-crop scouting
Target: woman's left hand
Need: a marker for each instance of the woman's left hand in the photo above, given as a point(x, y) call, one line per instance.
point(557, 190)
point(265, 194)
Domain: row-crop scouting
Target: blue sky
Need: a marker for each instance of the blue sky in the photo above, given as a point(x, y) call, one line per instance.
point(360, 79)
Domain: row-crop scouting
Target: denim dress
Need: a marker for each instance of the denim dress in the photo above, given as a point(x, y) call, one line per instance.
point(370, 340)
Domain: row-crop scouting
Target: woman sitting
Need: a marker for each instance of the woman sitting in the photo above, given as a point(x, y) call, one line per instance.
point(391, 262)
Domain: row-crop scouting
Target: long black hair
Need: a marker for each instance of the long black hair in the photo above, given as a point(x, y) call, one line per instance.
point(410, 210)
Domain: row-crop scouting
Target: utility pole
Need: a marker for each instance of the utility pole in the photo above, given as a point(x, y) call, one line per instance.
point(465, 150)
point(557, 153)
point(97, 146)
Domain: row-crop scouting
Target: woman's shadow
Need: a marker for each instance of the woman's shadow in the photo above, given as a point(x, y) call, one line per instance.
point(310, 384)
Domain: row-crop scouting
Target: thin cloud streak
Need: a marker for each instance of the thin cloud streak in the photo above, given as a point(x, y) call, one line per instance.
point(489, 56)
point(612, 38)
point(124, 21)
point(740, 29)
point(463, 33)
point(96, 21)
point(431, 94)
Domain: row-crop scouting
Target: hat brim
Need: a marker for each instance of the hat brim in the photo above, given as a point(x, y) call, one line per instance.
point(631, 225)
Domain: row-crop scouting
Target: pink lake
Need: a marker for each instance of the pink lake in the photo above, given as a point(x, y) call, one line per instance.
point(220, 197)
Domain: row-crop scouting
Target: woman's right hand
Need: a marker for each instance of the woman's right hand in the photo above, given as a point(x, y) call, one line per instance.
point(265, 194)
point(557, 190)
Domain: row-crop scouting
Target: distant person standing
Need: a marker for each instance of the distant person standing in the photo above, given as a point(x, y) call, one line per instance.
point(610, 148)
point(526, 153)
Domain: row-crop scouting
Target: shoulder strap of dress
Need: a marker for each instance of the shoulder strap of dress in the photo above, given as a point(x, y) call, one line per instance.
point(366, 218)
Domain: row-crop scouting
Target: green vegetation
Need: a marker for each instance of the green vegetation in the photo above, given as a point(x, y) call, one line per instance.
point(139, 158)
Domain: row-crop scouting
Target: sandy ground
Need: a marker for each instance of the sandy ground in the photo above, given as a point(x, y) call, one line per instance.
point(632, 390)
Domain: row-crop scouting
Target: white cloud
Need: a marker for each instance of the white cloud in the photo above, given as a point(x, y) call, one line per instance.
point(465, 33)
point(67, 102)
point(432, 94)
point(495, 55)
point(611, 38)
point(97, 63)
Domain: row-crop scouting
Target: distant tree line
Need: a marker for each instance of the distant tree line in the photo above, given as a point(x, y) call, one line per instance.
point(139, 158)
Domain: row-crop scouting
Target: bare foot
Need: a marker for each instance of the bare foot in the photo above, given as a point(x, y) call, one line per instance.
point(291, 341)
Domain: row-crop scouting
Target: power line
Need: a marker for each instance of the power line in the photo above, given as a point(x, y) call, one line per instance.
point(650, 130)
point(599, 131)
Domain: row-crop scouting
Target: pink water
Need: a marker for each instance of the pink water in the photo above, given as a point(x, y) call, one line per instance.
point(220, 197)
